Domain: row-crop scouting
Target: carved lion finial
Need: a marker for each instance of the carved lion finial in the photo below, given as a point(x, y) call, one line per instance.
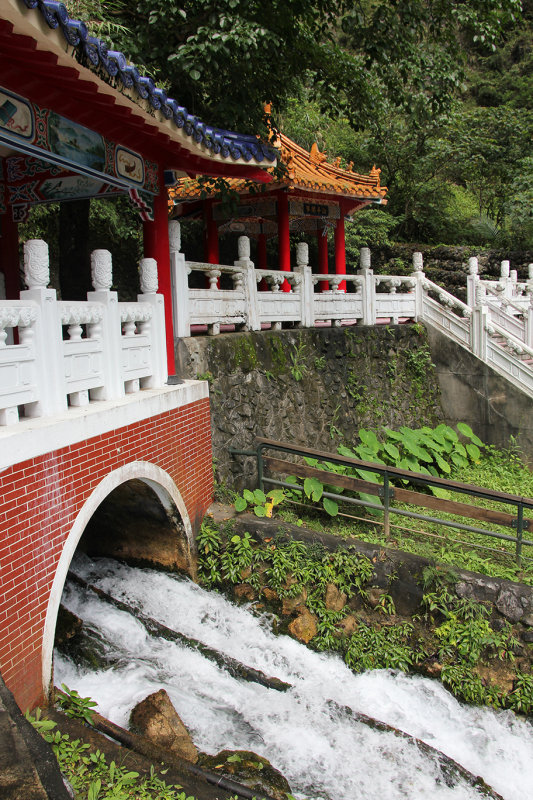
point(148, 275)
point(101, 270)
point(36, 264)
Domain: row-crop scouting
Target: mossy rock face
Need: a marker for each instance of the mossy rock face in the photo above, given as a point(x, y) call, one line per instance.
point(315, 387)
point(250, 769)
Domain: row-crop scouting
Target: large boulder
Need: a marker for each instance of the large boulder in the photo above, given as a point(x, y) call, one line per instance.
point(156, 718)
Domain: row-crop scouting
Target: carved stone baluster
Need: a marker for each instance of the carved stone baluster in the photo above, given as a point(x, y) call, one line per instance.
point(101, 270)
point(213, 275)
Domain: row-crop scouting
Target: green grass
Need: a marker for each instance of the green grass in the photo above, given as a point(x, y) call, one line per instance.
point(496, 469)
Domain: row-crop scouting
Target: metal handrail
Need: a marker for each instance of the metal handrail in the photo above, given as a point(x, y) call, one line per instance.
point(387, 492)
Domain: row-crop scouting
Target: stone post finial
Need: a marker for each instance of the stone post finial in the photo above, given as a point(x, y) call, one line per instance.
point(505, 269)
point(243, 247)
point(364, 258)
point(174, 236)
point(148, 275)
point(302, 254)
point(36, 264)
point(473, 267)
point(101, 270)
point(418, 261)
point(513, 274)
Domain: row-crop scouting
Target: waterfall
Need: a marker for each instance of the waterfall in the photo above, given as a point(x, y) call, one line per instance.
point(306, 731)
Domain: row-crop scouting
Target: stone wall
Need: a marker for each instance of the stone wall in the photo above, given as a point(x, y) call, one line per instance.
point(472, 392)
point(314, 387)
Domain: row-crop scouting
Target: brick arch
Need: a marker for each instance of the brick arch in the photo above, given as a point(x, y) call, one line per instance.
point(170, 497)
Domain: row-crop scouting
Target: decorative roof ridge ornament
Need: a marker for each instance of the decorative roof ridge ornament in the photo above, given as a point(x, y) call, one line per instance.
point(96, 55)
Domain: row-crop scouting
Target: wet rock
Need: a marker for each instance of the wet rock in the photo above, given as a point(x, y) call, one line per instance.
point(433, 669)
point(250, 769)
point(509, 605)
point(335, 599)
point(527, 637)
point(304, 627)
point(527, 619)
point(243, 591)
point(269, 594)
point(480, 589)
point(373, 596)
point(156, 718)
point(291, 604)
point(67, 627)
point(347, 625)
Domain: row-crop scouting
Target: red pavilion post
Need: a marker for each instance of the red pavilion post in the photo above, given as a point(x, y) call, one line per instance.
point(340, 249)
point(156, 245)
point(284, 241)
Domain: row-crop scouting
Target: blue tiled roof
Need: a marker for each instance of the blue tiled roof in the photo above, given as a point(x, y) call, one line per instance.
point(97, 54)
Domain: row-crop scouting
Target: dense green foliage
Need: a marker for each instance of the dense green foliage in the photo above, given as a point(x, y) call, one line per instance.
point(437, 93)
point(453, 632)
point(90, 774)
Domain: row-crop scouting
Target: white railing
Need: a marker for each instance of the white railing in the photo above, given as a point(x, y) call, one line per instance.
point(55, 354)
point(499, 332)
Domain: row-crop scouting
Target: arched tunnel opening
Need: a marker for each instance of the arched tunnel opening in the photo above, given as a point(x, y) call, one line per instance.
point(139, 523)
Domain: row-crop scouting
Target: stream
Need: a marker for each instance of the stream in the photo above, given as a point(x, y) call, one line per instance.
point(305, 732)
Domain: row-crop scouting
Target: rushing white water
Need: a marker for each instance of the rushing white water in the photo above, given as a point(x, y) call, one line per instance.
point(321, 750)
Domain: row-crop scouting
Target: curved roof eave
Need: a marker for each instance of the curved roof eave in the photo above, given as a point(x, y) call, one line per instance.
point(50, 26)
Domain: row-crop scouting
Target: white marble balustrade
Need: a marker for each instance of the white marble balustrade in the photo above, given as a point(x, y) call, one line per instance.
point(55, 354)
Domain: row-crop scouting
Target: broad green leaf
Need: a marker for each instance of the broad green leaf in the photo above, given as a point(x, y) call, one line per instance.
point(459, 448)
point(450, 434)
point(240, 504)
point(313, 489)
point(373, 477)
point(444, 494)
point(393, 434)
point(291, 479)
point(459, 460)
point(330, 506)
point(392, 450)
point(473, 452)
point(260, 511)
point(259, 496)
point(312, 462)
point(346, 452)
point(235, 539)
point(443, 465)
point(248, 496)
point(369, 439)
point(276, 496)
point(370, 498)
point(467, 431)
point(419, 452)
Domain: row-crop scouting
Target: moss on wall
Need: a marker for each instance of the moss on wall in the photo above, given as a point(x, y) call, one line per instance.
point(316, 387)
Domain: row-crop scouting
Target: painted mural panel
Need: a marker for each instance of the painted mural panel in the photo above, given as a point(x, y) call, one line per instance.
point(64, 142)
point(16, 115)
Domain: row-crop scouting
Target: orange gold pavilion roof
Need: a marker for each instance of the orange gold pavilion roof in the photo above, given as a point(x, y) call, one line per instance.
point(305, 172)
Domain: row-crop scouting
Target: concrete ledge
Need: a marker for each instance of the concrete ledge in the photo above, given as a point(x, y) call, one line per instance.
point(40, 435)
point(28, 767)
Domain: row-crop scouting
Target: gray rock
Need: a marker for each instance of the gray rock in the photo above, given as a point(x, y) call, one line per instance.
point(508, 604)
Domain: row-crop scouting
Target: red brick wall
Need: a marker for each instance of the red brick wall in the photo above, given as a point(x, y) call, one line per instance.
point(40, 501)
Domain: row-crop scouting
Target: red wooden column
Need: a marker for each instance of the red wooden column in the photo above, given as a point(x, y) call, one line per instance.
point(212, 254)
point(156, 245)
point(9, 255)
point(284, 241)
point(262, 259)
point(340, 249)
point(322, 239)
